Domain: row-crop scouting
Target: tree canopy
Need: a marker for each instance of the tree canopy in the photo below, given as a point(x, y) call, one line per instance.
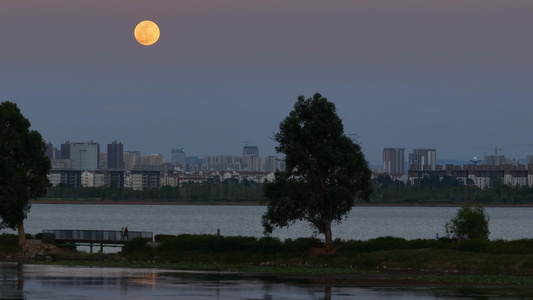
point(325, 170)
point(24, 167)
point(470, 223)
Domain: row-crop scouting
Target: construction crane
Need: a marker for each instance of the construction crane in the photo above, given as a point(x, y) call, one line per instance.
point(496, 149)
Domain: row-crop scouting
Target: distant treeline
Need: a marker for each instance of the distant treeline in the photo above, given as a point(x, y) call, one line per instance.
point(427, 190)
point(207, 191)
point(448, 190)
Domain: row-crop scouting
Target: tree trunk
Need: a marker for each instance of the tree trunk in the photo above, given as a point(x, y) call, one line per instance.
point(327, 234)
point(22, 234)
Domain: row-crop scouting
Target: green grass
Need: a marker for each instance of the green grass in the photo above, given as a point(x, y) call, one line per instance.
point(468, 262)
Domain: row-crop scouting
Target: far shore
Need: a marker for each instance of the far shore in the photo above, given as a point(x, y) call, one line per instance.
point(170, 202)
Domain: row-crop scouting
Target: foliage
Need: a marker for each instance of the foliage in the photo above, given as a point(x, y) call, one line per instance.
point(325, 170)
point(211, 191)
point(136, 245)
point(448, 190)
point(23, 168)
point(470, 223)
point(9, 243)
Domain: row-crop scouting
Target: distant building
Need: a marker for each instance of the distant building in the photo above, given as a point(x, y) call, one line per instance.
point(496, 160)
point(251, 160)
point(177, 156)
point(220, 163)
point(272, 164)
point(142, 180)
point(152, 160)
point(49, 152)
point(67, 177)
point(65, 150)
point(115, 156)
point(394, 160)
point(131, 158)
point(423, 159)
point(84, 156)
point(250, 150)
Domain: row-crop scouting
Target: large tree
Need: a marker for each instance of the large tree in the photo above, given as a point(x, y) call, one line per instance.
point(325, 170)
point(23, 168)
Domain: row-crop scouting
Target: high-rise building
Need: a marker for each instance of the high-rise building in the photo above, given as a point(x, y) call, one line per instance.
point(131, 158)
point(423, 159)
point(65, 150)
point(84, 156)
point(115, 156)
point(177, 156)
point(251, 159)
point(497, 160)
point(394, 160)
point(250, 150)
point(152, 160)
point(49, 152)
point(221, 163)
point(272, 164)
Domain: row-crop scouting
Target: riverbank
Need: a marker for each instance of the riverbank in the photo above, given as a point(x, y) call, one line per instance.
point(140, 202)
point(248, 203)
point(380, 262)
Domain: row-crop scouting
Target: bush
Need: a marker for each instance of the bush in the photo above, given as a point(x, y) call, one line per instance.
point(475, 245)
point(162, 237)
point(470, 223)
point(136, 245)
point(9, 243)
point(48, 238)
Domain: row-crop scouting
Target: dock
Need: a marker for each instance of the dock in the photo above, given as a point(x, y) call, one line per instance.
point(92, 238)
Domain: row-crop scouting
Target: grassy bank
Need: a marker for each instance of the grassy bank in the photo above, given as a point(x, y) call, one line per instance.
point(467, 262)
point(387, 253)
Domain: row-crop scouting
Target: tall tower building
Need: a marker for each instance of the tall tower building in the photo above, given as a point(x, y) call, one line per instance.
point(115, 156)
point(84, 156)
point(65, 150)
point(252, 160)
point(250, 150)
point(394, 160)
point(177, 156)
point(49, 152)
point(423, 159)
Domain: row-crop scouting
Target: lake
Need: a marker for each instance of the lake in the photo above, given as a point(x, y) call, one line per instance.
point(26, 281)
point(363, 222)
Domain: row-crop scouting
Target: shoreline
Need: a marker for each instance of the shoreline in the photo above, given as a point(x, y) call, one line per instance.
point(222, 203)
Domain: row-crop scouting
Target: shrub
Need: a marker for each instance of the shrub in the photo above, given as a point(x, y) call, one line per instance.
point(470, 223)
point(136, 245)
point(162, 237)
point(9, 243)
point(48, 238)
point(475, 245)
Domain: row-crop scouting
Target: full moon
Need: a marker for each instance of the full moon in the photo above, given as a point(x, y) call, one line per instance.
point(146, 33)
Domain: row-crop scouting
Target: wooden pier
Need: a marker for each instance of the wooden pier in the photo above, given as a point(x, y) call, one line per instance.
point(98, 238)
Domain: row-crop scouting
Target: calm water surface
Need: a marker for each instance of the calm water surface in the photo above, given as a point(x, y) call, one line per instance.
point(60, 282)
point(363, 223)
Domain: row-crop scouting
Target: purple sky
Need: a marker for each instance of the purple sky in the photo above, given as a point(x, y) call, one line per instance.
point(451, 75)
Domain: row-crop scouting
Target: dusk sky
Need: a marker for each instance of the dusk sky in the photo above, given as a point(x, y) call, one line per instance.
point(456, 76)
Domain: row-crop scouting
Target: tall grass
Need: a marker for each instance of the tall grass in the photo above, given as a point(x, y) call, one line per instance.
point(478, 256)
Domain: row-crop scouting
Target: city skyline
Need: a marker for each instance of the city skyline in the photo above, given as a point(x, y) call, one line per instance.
point(406, 155)
point(451, 76)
